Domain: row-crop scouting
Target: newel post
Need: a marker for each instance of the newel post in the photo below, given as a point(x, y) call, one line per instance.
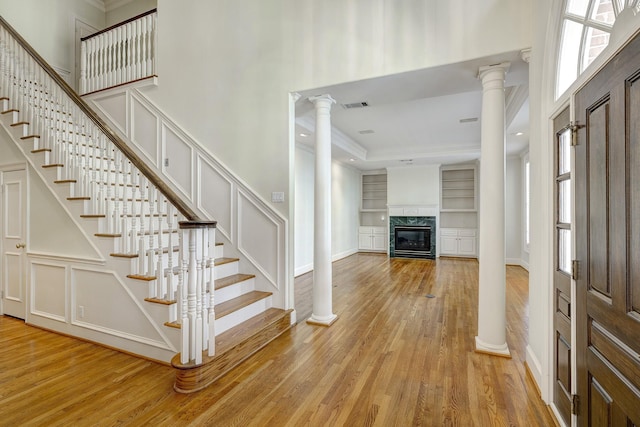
point(197, 320)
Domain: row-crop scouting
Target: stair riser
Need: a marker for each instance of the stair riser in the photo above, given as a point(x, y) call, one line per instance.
point(234, 291)
point(229, 321)
point(218, 251)
point(225, 270)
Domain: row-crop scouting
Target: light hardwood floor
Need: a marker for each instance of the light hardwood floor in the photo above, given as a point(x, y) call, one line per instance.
point(393, 358)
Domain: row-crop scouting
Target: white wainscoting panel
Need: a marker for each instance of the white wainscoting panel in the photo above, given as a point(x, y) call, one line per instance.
point(49, 290)
point(144, 131)
point(114, 106)
point(258, 235)
point(215, 196)
point(89, 288)
point(180, 157)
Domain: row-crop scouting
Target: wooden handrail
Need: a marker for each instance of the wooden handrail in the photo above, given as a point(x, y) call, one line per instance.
point(119, 24)
point(171, 196)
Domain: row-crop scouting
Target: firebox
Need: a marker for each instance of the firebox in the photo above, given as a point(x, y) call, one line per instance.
point(413, 241)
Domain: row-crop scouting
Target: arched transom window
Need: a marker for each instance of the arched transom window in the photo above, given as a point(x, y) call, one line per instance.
point(586, 28)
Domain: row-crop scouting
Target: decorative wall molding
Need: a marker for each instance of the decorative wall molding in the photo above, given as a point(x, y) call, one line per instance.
point(50, 293)
point(65, 258)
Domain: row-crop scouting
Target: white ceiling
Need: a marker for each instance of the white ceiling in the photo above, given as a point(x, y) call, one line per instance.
point(415, 116)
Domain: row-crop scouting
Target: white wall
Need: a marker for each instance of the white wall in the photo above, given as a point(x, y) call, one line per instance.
point(513, 208)
point(129, 10)
point(345, 205)
point(303, 221)
point(413, 185)
point(225, 68)
point(49, 26)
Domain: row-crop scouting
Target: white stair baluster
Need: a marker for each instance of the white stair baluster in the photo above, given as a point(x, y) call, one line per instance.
point(142, 244)
point(211, 285)
point(161, 283)
point(152, 249)
point(134, 217)
point(183, 291)
point(202, 287)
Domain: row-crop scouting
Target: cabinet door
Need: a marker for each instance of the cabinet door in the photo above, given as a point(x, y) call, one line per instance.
point(380, 242)
point(365, 241)
point(448, 245)
point(467, 245)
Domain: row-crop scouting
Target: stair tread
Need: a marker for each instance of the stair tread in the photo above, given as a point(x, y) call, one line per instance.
point(244, 330)
point(232, 280)
point(161, 301)
point(221, 261)
point(141, 277)
point(235, 304)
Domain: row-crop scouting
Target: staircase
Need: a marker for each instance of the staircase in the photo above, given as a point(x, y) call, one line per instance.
point(148, 235)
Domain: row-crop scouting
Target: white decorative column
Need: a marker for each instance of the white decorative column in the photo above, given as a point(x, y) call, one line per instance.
point(491, 337)
point(322, 274)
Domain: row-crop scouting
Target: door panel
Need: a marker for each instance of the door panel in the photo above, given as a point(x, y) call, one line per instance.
point(13, 239)
point(607, 206)
point(562, 263)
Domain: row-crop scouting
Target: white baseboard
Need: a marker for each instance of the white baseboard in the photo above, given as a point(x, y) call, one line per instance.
point(335, 257)
point(299, 271)
point(344, 254)
point(517, 261)
point(534, 366)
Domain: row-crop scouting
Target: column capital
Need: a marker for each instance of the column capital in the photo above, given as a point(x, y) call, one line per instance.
point(325, 99)
point(493, 72)
point(525, 54)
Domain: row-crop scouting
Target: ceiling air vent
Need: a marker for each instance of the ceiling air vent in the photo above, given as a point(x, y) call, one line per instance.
point(469, 120)
point(366, 131)
point(356, 105)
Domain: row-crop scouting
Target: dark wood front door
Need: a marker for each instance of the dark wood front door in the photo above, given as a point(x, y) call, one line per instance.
point(607, 204)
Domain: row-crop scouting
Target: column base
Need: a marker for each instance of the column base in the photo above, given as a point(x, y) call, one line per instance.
point(324, 321)
point(492, 350)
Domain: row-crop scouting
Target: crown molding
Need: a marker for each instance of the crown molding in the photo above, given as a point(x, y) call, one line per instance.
point(338, 138)
point(98, 4)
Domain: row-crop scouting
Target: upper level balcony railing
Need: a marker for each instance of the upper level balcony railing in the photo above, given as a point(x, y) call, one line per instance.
point(122, 53)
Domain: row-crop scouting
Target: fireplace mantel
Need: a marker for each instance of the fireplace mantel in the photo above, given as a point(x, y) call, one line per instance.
point(413, 210)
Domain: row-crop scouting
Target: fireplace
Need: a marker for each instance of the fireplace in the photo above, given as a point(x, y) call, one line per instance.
point(412, 236)
point(412, 241)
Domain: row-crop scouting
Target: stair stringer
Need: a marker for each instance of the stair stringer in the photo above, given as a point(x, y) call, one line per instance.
point(237, 209)
point(159, 344)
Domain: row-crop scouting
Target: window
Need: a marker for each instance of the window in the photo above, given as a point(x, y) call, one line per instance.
point(563, 199)
point(586, 28)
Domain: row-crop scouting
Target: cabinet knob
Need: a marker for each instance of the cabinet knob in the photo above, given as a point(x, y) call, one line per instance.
point(21, 245)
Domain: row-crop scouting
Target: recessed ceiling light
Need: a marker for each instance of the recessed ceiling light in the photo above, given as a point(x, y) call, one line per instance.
point(352, 160)
point(519, 133)
point(303, 134)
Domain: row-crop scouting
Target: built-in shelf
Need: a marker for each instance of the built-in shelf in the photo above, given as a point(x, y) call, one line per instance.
point(458, 210)
point(373, 201)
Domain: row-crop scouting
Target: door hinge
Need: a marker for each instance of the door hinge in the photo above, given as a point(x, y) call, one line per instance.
point(574, 126)
point(575, 404)
point(574, 269)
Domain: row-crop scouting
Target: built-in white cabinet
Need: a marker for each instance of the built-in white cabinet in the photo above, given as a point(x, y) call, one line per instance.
point(458, 242)
point(373, 239)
